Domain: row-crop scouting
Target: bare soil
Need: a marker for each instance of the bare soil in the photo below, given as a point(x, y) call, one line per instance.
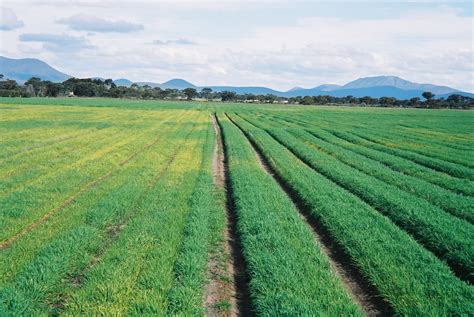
point(227, 292)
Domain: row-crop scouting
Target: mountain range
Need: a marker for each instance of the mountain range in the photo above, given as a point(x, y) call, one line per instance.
point(376, 87)
point(25, 68)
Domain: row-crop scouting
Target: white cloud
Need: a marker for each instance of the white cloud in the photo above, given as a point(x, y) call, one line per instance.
point(243, 44)
point(57, 43)
point(9, 20)
point(173, 42)
point(84, 22)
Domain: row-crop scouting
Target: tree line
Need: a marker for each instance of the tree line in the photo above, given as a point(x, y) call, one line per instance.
point(93, 87)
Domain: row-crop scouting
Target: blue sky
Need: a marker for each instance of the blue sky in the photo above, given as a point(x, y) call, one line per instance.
point(279, 44)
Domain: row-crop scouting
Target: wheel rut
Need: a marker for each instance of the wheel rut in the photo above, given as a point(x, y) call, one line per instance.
point(227, 292)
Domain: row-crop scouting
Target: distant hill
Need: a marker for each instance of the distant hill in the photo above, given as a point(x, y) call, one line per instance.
point(123, 82)
point(328, 87)
point(246, 90)
point(377, 92)
point(23, 69)
point(177, 84)
point(376, 86)
point(170, 84)
point(397, 82)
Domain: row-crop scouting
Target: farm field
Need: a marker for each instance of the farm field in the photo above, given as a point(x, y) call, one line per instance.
point(124, 207)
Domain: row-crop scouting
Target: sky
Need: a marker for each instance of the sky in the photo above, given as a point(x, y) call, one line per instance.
point(277, 44)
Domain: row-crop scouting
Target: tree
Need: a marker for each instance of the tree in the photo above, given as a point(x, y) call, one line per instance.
point(9, 88)
point(190, 93)
point(367, 100)
point(429, 98)
point(52, 89)
point(228, 95)
point(36, 83)
point(250, 97)
point(270, 98)
point(84, 89)
point(387, 101)
point(206, 93)
point(9, 84)
point(109, 83)
point(172, 92)
point(427, 95)
point(307, 100)
point(414, 101)
point(455, 99)
point(349, 99)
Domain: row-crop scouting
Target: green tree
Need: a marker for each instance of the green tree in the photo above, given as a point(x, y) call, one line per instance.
point(190, 93)
point(109, 83)
point(37, 84)
point(428, 95)
point(228, 95)
point(414, 101)
point(51, 89)
point(9, 84)
point(206, 93)
point(85, 89)
point(429, 98)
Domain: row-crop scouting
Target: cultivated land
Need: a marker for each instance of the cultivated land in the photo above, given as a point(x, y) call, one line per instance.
point(122, 207)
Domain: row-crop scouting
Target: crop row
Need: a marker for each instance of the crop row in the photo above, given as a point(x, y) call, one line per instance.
point(288, 274)
point(434, 163)
point(410, 278)
point(137, 273)
point(430, 148)
point(427, 138)
point(410, 138)
point(413, 141)
point(448, 237)
point(37, 196)
point(396, 163)
point(370, 138)
point(17, 174)
point(47, 270)
point(29, 131)
point(204, 225)
point(458, 205)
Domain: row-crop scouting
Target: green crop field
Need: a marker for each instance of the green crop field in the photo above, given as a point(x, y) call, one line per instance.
point(167, 208)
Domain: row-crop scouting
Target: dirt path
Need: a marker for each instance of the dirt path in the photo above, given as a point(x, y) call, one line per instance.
point(363, 294)
point(227, 293)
